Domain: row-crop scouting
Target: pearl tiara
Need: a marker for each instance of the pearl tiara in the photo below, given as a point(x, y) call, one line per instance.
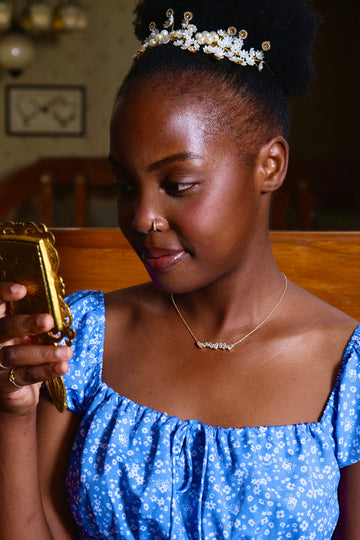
point(221, 44)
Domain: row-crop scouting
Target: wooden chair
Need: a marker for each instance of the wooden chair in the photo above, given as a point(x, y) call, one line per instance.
point(80, 176)
point(325, 263)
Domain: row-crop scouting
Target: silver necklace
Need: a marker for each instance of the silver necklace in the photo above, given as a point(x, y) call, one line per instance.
point(228, 346)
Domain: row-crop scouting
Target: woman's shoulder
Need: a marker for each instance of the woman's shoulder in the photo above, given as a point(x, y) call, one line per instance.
point(123, 302)
point(311, 342)
point(129, 296)
point(324, 330)
point(126, 304)
point(311, 312)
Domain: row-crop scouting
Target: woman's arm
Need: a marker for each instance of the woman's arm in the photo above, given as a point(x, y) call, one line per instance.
point(56, 433)
point(22, 513)
point(348, 527)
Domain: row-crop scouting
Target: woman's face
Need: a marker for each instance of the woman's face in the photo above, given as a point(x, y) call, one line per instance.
point(175, 165)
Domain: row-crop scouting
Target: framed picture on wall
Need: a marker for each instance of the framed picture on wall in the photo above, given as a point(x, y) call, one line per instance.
point(45, 110)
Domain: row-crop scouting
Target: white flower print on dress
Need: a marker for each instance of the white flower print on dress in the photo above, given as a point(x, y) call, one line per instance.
point(138, 473)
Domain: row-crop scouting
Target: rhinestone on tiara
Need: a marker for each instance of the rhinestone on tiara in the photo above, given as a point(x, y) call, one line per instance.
point(221, 44)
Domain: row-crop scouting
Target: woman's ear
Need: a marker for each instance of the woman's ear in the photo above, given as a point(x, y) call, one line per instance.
point(272, 164)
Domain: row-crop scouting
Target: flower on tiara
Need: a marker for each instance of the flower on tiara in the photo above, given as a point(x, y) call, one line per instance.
point(216, 51)
point(170, 18)
point(221, 44)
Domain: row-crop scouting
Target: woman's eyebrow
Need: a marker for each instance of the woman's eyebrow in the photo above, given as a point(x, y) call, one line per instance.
point(183, 156)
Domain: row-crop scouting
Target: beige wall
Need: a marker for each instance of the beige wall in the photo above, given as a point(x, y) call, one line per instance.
point(97, 59)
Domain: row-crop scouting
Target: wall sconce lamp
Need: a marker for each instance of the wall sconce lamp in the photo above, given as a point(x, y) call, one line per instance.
point(21, 25)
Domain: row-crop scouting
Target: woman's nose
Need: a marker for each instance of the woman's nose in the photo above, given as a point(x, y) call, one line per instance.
point(148, 217)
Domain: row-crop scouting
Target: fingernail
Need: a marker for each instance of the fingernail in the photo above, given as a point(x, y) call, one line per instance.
point(15, 289)
point(61, 367)
point(62, 353)
point(41, 320)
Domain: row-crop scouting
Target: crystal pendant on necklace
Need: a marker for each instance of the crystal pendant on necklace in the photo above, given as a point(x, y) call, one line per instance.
point(209, 345)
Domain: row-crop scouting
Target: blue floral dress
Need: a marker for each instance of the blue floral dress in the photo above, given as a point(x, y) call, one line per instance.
point(136, 473)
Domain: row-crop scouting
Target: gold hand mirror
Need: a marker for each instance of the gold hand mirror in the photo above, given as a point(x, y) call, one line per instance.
point(28, 257)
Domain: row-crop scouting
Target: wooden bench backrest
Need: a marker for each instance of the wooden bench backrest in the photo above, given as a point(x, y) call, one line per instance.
point(325, 263)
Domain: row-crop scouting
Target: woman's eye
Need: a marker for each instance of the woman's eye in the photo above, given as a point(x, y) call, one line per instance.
point(174, 188)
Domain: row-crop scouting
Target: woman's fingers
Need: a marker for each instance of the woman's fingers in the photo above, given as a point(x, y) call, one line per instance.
point(25, 376)
point(24, 364)
point(11, 292)
point(19, 326)
point(23, 369)
point(20, 383)
point(31, 357)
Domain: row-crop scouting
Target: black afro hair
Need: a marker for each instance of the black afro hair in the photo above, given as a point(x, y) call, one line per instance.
point(289, 25)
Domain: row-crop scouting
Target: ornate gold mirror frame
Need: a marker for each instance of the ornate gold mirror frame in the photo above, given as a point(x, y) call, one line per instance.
point(28, 256)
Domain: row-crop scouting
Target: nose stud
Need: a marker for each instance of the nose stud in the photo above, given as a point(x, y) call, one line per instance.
point(159, 224)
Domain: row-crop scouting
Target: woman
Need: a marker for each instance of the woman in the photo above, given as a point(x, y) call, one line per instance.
point(220, 401)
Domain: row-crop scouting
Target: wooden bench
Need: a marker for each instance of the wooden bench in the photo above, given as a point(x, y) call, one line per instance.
point(325, 263)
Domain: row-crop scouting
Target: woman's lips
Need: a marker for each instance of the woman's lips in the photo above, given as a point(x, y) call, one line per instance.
point(162, 259)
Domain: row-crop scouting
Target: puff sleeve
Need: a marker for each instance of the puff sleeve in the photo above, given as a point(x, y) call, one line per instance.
point(84, 375)
point(346, 411)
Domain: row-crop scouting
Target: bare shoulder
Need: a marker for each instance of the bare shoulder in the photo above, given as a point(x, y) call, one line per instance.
point(323, 325)
point(305, 346)
point(129, 302)
point(129, 313)
point(318, 308)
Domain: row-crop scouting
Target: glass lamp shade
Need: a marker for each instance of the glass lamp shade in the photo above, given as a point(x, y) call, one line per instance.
point(5, 15)
point(70, 16)
point(16, 52)
point(37, 18)
point(82, 21)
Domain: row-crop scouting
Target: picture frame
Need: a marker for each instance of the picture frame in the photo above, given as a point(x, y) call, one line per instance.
point(45, 110)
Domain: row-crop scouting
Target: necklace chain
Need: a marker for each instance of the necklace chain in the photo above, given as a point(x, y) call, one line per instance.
point(228, 346)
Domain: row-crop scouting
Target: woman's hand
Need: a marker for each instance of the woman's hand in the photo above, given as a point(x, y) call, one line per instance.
point(28, 363)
